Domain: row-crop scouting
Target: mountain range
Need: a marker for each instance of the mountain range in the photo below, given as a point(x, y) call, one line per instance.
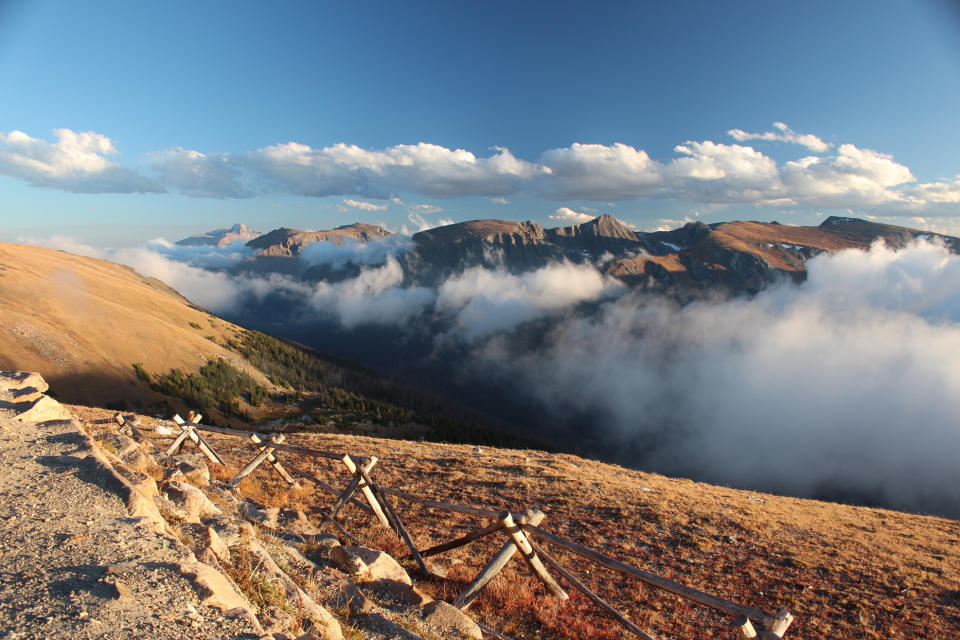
point(733, 257)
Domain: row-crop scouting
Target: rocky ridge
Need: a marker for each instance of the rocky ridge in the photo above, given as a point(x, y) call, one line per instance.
point(733, 257)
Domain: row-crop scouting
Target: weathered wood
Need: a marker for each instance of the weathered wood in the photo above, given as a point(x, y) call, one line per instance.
point(345, 496)
point(119, 419)
point(351, 488)
point(257, 461)
point(436, 504)
point(327, 487)
point(476, 534)
point(493, 567)
point(719, 604)
point(597, 600)
point(745, 628)
point(493, 633)
point(307, 451)
point(367, 491)
point(782, 623)
point(190, 427)
point(529, 555)
point(397, 522)
point(326, 516)
point(272, 459)
point(175, 446)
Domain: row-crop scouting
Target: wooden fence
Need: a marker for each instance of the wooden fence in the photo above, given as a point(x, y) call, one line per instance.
point(520, 531)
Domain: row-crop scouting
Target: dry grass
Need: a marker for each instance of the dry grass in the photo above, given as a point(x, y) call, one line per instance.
point(844, 572)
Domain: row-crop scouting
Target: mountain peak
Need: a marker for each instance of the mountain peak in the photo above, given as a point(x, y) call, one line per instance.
point(220, 237)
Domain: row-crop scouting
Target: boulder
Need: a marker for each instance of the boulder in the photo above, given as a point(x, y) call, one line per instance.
point(368, 564)
point(295, 521)
point(195, 504)
point(452, 622)
point(259, 514)
point(194, 469)
point(212, 541)
point(353, 598)
point(43, 410)
point(214, 588)
point(120, 444)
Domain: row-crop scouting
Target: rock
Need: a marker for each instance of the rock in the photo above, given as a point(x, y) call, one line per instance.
point(121, 591)
point(322, 618)
point(206, 556)
point(257, 513)
point(139, 460)
point(164, 430)
point(21, 386)
point(353, 598)
point(212, 541)
point(450, 620)
point(121, 444)
point(228, 530)
point(309, 636)
point(295, 521)
point(214, 588)
point(380, 565)
point(193, 468)
point(347, 561)
point(194, 502)
point(404, 593)
point(44, 409)
point(275, 619)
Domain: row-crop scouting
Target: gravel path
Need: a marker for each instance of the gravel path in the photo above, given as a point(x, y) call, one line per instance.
point(73, 563)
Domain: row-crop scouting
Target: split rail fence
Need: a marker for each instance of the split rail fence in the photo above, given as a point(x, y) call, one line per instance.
point(521, 530)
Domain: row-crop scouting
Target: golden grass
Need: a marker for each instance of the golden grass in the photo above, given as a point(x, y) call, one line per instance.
point(843, 571)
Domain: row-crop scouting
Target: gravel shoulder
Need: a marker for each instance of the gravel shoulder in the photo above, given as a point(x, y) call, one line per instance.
point(73, 562)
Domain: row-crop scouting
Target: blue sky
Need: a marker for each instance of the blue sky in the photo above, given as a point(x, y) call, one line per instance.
point(186, 116)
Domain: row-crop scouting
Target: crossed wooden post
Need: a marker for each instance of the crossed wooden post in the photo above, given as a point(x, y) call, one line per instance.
point(189, 430)
point(265, 453)
point(518, 541)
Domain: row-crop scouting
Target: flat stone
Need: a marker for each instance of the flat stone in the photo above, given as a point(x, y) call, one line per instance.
point(194, 502)
point(380, 565)
point(214, 588)
point(257, 513)
point(451, 621)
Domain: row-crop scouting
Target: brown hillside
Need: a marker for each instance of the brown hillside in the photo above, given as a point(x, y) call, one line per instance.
point(843, 571)
point(286, 243)
point(82, 323)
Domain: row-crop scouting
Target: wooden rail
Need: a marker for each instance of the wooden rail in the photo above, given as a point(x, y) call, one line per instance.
point(517, 527)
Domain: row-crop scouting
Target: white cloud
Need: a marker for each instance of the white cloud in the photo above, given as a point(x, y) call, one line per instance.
point(848, 383)
point(423, 168)
point(375, 297)
point(853, 177)
point(566, 214)
point(702, 171)
point(425, 209)
point(199, 175)
point(783, 133)
point(76, 162)
point(364, 206)
point(584, 171)
point(484, 301)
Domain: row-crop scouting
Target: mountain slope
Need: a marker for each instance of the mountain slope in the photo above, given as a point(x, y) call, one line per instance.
point(82, 322)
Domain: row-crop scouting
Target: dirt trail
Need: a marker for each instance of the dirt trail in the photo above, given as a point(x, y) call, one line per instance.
point(73, 562)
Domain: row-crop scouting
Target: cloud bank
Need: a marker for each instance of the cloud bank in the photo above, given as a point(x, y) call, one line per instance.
point(844, 387)
point(704, 171)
